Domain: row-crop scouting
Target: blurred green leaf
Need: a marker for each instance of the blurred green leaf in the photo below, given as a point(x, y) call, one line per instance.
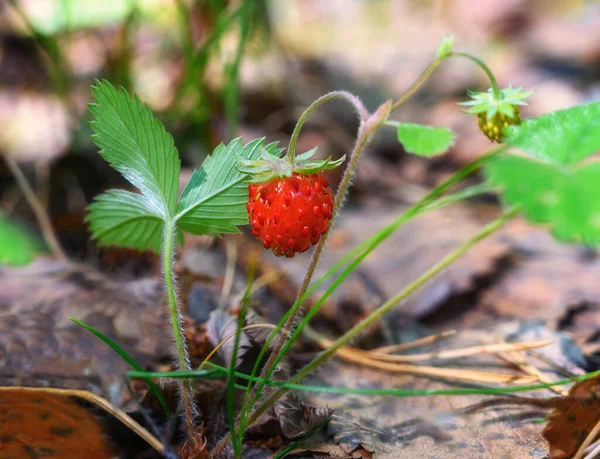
point(424, 140)
point(568, 200)
point(563, 137)
point(16, 246)
point(214, 200)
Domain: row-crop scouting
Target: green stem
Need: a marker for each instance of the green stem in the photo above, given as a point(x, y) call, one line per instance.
point(419, 82)
point(356, 103)
point(182, 355)
point(485, 68)
point(386, 307)
point(434, 65)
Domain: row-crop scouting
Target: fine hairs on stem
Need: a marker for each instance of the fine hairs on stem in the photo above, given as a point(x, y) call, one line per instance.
point(187, 391)
point(358, 147)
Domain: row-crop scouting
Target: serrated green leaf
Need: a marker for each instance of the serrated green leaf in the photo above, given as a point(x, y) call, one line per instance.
point(214, 200)
point(563, 137)
point(122, 218)
point(568, 200)
point(136, 144)
point(16, 246)
point(424, 140)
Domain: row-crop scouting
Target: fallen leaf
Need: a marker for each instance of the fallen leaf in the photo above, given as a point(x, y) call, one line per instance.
point(573, 418)
point(40, 346)
point(38, 422)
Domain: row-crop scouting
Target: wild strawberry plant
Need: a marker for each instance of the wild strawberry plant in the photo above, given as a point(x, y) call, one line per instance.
point(545, 170)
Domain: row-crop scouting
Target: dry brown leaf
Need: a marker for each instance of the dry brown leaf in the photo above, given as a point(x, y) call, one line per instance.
point(39, 345)
point(39, 422)
point(573, 418)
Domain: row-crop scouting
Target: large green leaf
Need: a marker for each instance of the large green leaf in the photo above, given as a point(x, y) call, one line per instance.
point(424, 140)
point(214, 200)
point(568, 200)
point(17, 247)
point(563, 137)
point(122, 218)
point(136, 144)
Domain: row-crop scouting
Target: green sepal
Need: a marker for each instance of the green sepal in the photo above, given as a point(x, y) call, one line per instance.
point(272, 167)
point(487, 102)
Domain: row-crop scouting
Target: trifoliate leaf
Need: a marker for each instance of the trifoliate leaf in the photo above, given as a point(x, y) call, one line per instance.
point(122, 218)
point(214, 200)
point(136, 144)
point(16, 246)
point(563, 137)
point(424, 140)
point(568, 200)
point(445, 47)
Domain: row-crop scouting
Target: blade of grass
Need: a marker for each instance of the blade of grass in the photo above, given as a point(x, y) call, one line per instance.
point(236, 440)
point(130, 360)
point(204, 374)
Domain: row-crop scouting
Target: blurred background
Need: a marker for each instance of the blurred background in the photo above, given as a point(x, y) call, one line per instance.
point(213, 70)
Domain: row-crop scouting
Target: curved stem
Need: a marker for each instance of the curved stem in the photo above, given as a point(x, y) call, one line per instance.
point(364, 135)
point(419, 82)
point(355, 101)
point(386, 307)
point(182, 355)
point(485, 68)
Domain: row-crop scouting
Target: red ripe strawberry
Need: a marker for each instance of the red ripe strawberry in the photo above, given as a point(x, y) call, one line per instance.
point(290, 204)
point(289, 214)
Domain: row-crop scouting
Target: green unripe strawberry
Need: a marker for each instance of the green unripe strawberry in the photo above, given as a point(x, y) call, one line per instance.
point(496, 111)
point(493, 128)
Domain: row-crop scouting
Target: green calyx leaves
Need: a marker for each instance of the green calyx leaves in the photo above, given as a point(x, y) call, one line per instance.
point(136, 144)
point(272, 166)
point(557, 182)
point(490, 104)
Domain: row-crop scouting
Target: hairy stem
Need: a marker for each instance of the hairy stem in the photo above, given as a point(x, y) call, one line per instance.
point(40, 212)
point(355, 101)
point(386, 307)
point(363, 137)
point(182, 355)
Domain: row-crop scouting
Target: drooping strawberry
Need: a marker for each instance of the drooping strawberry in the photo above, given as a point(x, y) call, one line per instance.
point(290, 203)
point(496, 112)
